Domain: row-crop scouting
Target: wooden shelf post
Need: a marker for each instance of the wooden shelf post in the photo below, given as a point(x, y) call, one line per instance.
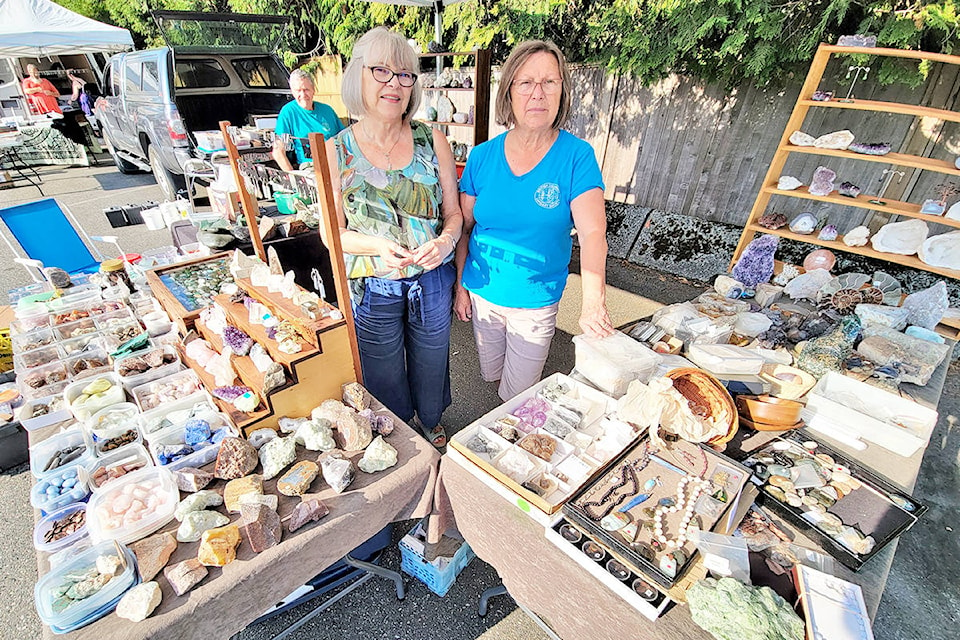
point(250, 208)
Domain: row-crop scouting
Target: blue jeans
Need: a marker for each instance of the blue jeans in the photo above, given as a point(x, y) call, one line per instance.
point(403, 329)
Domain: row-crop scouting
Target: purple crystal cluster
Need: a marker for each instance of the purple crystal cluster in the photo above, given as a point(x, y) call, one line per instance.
point(822, 183)
point(239, 342)
point(870, 148)
point(756, 263)
point(772, 220)
point(848, 189)
point(822, 96)
point(229, 393)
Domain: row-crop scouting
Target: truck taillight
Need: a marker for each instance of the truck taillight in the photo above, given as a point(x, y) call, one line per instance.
point(176, 129)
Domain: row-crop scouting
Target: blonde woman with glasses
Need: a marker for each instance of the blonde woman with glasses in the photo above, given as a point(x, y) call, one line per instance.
point(521, 195)
point(395, 188)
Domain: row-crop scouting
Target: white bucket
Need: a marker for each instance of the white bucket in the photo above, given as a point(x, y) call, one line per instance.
point(171, 213)
point(153, 218)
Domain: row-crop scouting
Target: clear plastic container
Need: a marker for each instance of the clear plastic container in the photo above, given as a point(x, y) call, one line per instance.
point(53, 409)
point(168, 389)
point(41, 530)
point(87, 364)
point(36, 357)
point(114, 465)
point(74, 329)
point(133, 506)
point(83, 409)
point(725, 359)
point(87, 293)
point(32, 339)
point(114, 439)
point(81, 344)
point(612, 363)
point(72, 313)
point(80, 613)
point(31, 315)
point(109, 419)
point(42, 381)
point(42, 453)
point(155, 421)
point(122, 313)
point(107, 306)
point(58, 489)
point(174, 436)
point(131, 364)
point(159, 257)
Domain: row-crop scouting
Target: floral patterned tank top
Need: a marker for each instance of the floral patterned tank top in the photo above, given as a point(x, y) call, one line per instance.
point(400, 204)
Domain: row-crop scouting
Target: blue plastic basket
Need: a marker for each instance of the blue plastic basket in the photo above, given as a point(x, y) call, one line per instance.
point(439, 580)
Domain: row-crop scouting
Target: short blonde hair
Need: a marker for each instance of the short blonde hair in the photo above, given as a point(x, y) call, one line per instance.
point(520, 54)
point(379, 46)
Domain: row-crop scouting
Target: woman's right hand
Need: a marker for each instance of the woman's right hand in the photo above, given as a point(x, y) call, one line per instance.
point(394, 255)
point(461, 303)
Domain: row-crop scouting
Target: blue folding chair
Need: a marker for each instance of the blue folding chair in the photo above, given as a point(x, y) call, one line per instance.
point(49, 234)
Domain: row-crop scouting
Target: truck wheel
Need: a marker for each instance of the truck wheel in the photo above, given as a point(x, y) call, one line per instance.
point(168, 181)
point(122, 165)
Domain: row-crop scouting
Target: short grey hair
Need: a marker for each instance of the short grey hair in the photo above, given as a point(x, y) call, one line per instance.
point(379, 46)
point(300, 74)
point(508, 72)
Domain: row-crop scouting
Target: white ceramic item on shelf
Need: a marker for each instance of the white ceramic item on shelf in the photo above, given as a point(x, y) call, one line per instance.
point(856, 237)
point(903, 238)
point(942, 250)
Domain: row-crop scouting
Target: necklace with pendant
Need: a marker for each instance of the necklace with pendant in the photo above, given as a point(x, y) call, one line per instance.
point(379, 148)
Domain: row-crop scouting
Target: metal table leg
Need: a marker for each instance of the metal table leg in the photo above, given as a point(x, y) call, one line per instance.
point(11, 156)
point(498, 590)
point(379, 571)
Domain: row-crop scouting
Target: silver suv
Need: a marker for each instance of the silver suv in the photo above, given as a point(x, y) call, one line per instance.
point(154, 99)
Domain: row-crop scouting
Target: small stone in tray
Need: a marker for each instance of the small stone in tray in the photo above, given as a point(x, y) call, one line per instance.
point(152, 554)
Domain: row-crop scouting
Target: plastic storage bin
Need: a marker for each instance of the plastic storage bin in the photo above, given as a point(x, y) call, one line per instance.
point(119, 462)
point(36, 357)
point(58, 489)
point(46, 524)
point(155, 421)
point(78, 328)
point(43, 452)
point(438, 575)
point(725, 359)
point(50, 413)
point(174, 436)
point(113, 513)
point(135, 379)
point(43, 381)
point(163, 390)
point(87, 364)
point(112, 418)
point(80, 613)
point(612, 363)
point(84, 409)
point(33, 339)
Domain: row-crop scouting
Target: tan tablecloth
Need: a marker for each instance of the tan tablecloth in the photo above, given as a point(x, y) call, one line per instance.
point(230, 598)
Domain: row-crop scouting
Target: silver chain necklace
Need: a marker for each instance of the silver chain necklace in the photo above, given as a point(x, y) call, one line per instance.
point(387, 153)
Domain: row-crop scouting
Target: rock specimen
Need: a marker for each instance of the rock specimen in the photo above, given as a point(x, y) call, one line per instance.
point(191, 479)
point(772, 220)
point(926, 307)
point(261, 526)
point(942, 250)
point(316, 435)
point(196, 430)
point(354, 395)
point(139, 602)
point(839, 140)
point(917, 358)
point(756, 263)
point(731, 610)
point(353, 432)
point(378, 456)
point(196, 522)
point(788, 183)
point(819, 259)
point(236, 458)
point(903, 238)
point(828, 233)
point(856, 237)
point(269, 499)
point(787, 273)
point(802, 139)
point(260, 437)
point(828, 352)
point(848, 189)
point(239, 487)
point(767, 294)
point(882, 314)
point(153, 553)
point(807, 285)
point(306, 512)
point(197, 502)
point(822, 183)
point(871, 148)
point(276, 455)
point(329, 410)
point(298, 479)
point(290, 425)
point(805, 223)
point(185, 575)
point(337, 470)
point(218, 547)
point(726, 286)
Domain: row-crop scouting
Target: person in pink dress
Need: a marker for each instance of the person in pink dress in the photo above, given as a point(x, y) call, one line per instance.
point(40, 92)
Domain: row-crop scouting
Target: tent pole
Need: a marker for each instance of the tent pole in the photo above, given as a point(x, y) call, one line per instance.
point(438, 21)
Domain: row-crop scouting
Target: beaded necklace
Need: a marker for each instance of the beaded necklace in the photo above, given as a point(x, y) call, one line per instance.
point(686, 501)
point(628, 475)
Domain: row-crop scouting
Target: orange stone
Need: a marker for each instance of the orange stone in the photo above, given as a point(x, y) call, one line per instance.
point(218, 547)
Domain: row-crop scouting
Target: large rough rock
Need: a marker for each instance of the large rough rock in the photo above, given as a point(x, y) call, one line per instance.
point(153, 553)
point(139, 602)
point(185, 575)
point(261, 526)
point(298, 479)
point(236, 458)
point(306, 512)
point(191, 480)
point(252, 484)
point(218, 547)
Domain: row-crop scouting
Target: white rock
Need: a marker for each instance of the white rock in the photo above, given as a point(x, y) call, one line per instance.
point(788, 183)
point(787, 273)
point(903, 238)
point(140, 601)
point(942, 250)
point(856, 237)
point(806, 285)
point(767, 294)
point(802, 139)
point(725, 284)
point(378, 456)
point(837, 140)
point(954, 211)
point(882, 314)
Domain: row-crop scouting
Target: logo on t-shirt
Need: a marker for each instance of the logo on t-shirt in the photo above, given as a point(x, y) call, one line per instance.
point(547, 195)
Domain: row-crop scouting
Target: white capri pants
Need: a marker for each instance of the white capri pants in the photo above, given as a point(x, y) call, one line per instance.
point(512, 343)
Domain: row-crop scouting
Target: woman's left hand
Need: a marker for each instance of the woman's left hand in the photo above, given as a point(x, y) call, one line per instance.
point(430, 254)
point(595, 322)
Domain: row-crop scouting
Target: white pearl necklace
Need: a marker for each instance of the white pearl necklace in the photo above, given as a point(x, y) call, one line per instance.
point(686, 502)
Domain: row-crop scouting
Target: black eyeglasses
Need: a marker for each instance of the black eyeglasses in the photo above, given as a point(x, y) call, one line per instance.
point(384, 75)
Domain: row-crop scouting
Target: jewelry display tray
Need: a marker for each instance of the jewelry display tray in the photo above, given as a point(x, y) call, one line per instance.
point(550, 503)
point(892, 521)
point(619, 548)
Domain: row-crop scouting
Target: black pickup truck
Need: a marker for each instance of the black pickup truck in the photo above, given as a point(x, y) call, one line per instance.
point(216, 66)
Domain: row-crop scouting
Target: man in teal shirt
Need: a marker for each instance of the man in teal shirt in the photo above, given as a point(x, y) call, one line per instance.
point(300, 118)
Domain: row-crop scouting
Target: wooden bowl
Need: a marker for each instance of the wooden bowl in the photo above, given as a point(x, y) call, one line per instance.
point(769, 410)
point(787, 382)
point(707, 398)
point(760, 426)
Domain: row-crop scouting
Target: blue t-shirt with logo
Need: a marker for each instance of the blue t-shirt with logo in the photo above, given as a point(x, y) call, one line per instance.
point(520, 245)
point(298, 122)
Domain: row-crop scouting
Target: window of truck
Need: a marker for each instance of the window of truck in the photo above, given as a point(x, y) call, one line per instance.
point(199, 74)
point(131, 76)
point(150, 82)
point(261, 72)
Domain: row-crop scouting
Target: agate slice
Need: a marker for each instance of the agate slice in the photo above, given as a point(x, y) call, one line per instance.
point(903, 238)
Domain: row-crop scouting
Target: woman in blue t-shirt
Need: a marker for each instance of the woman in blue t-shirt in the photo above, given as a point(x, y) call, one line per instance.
point(521, 195)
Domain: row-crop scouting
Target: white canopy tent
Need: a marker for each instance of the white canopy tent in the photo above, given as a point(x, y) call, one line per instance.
point(437, 5)
point(36, 28)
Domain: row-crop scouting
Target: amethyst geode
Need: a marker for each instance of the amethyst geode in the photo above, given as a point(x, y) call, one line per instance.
point(756, 264)
point(239, 342)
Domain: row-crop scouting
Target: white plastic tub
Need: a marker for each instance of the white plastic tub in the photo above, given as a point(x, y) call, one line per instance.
point(612, 363)
point(725, 359)
point(84, 410)
point(112, 513)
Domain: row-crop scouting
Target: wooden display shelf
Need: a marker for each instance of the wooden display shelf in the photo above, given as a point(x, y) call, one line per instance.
point(837, 245)
point(242, 420)
point(885, 107)
point(178, 313)
point(889, 53)
point(898, 159)
point(893, 207)
point(286, 310)
point(480, 92)
point(449, 89)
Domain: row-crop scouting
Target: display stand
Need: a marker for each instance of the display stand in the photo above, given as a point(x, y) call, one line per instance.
point(950, 327)
point(480, 92)
point(247, 203)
